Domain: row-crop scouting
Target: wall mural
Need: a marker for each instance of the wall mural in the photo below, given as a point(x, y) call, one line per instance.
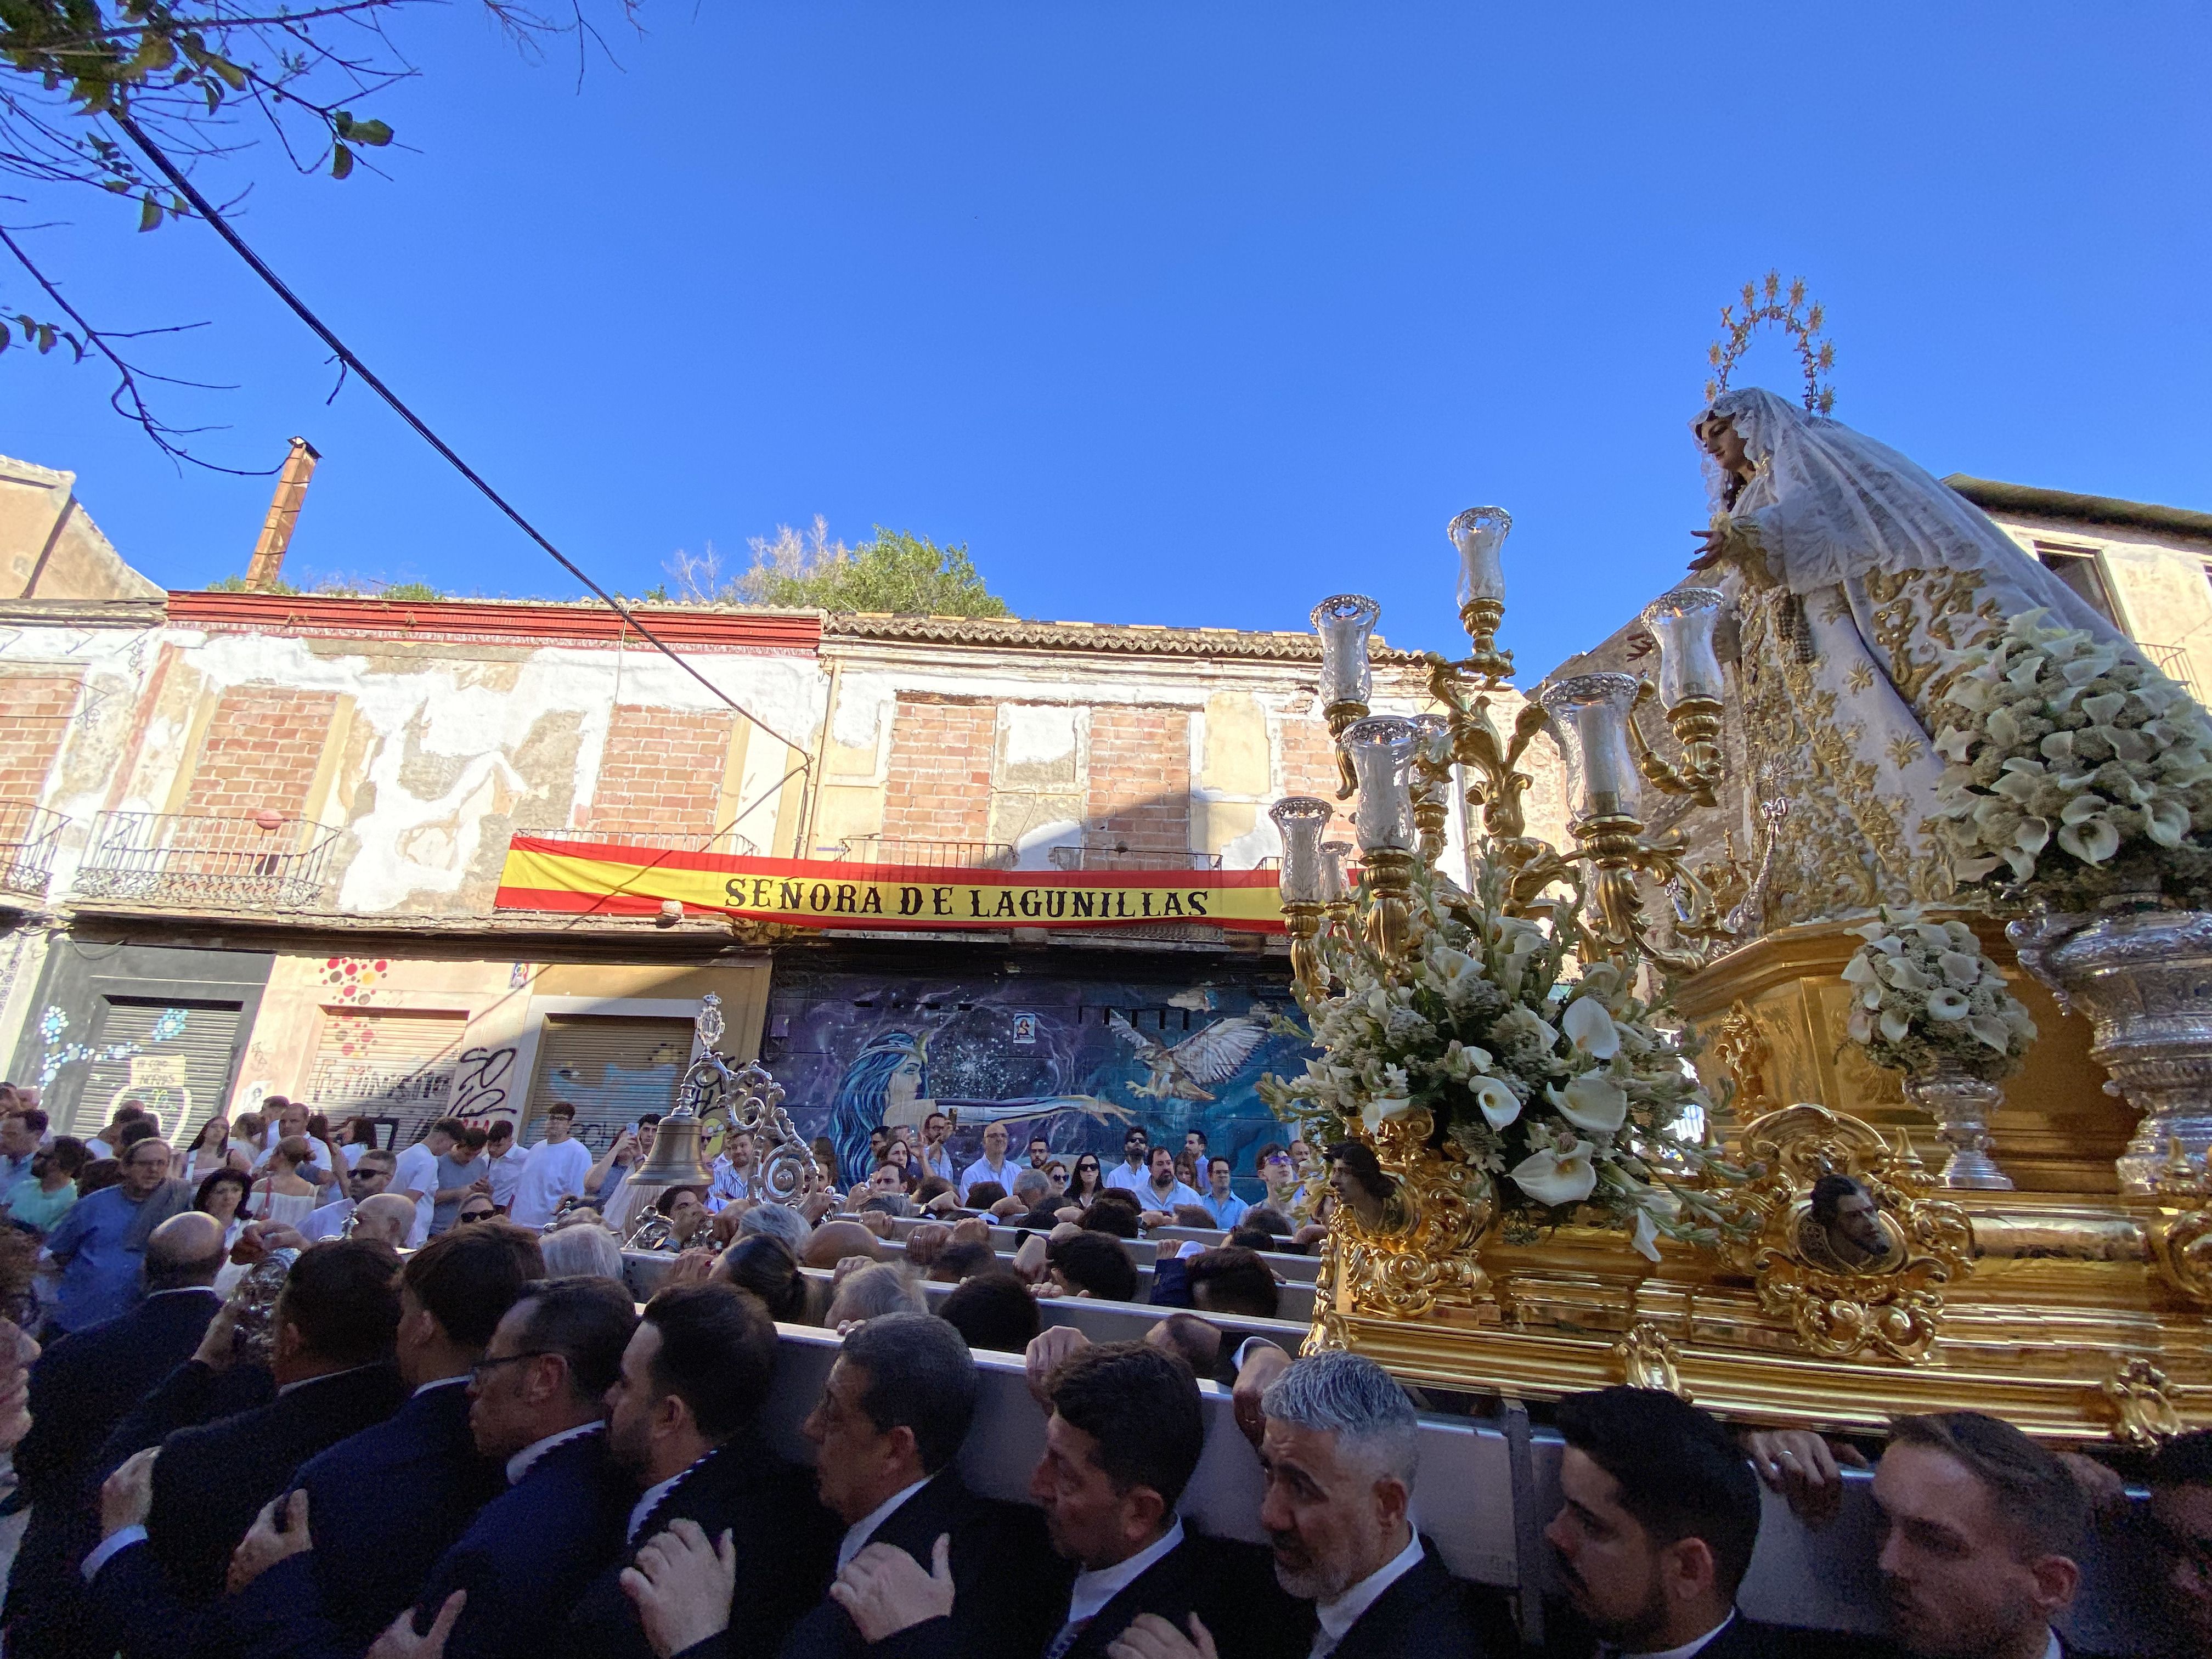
point(1081, 1060)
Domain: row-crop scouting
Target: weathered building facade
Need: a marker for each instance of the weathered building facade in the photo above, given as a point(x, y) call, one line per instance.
point(256, 838)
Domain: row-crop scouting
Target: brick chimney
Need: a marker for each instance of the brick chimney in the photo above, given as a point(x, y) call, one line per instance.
point(284, 516)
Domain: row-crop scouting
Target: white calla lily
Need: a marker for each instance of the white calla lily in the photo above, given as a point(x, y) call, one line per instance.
point(1566, 1176)
point(1591, 1028)
point(1946, 1004)
point(1643, 1237)
point(1499, 1107)
point(1593, 1102)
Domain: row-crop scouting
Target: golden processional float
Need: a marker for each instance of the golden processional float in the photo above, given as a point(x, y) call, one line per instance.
point(1625, 1131)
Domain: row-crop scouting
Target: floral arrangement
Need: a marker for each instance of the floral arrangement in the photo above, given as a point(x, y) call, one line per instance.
point(1927, 997)
point(2074, 766)
point(1563, 1091)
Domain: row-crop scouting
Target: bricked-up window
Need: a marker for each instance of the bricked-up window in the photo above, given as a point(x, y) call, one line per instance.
point(34, 718)
point(262, 747)
point(662, 773)
point(938, 781)
point(1140, 778)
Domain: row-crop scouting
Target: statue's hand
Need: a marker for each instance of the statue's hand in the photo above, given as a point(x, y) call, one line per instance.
point(1712, 545)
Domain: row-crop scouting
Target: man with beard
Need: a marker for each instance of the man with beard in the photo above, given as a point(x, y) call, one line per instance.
point(1981, 1528)
point(1124, 1436)
point(683, 1421)
point(1337, 1454)
point(1658, 1515)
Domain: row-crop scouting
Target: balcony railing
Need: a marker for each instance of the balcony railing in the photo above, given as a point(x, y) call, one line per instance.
point(1119, 855)
point(2174, 662)
point(933, 854)
point(262, 863)
point(28, 834)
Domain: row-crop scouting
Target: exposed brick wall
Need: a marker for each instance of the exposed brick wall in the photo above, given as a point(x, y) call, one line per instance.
point(260, 752)
point(34, 713)
point(1309, 756)
point(938, 783)
point(1139, 789)
point(662, 771)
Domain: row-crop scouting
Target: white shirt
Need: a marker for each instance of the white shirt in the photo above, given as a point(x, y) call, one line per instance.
point(327, 1222)
point(351, 1152)
point(981, 1169)
point(729, 1184)
point(1339, 1616)
point(518, 1465)
point(554, 1171)
point(1127, 1179)
point(1178, 1194)
point(1093, 1590)
point(507, 1173)
point(857, 1536)
point(417, 1172)
point(938, 1161)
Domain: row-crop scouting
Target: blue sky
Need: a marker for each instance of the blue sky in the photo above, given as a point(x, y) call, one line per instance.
point(1185, 314)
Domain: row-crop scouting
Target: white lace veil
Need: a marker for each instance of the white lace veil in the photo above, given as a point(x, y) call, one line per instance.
point(1833, 504)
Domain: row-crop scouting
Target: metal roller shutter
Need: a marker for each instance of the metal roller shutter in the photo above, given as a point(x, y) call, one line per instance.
point(172, 1058)
point(611, 1069)
point(386, 1063)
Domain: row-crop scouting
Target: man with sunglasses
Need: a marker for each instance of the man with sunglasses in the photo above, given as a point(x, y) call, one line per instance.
point(1130, 1172)
point(370, 1177)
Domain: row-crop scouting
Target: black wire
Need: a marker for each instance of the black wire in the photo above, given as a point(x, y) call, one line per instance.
point(222, 227)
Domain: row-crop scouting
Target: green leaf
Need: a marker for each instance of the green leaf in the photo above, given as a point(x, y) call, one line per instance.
point(234, 77)
point(149, 213)
point(371, 132)
point(341, 160)
point(45, 339)
point(5, 340)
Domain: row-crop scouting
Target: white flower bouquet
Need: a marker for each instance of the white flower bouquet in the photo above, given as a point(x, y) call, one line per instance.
point(2076, 768)
point(1563, 1092)
point(1924, 997)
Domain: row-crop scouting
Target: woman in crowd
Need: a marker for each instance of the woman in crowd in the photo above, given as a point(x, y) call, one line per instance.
point(210, 1150)
point(1090, 1181)
point(357, 1135)
point(908, 1167)
point(43, 1197)
point(1055, 1173)
point(283, 1195)
point(222, 1195)
point(765, 1267)
point(249, 1135)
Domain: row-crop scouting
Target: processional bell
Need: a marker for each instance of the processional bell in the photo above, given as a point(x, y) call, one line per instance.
point(675, 1159)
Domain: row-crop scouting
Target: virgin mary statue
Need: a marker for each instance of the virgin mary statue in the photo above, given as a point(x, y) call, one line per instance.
point(1853, 572)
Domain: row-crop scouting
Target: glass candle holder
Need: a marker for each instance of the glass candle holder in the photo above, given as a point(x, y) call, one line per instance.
point(1335, 884)
point(1479, 534)
point(1303, 820)
point(1683, 621)
point(1345, 623)
point(1590, 714)
point(1433, 741)
point(1381, 748)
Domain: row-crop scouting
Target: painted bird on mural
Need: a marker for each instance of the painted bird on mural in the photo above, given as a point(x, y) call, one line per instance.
point(1212, 1056)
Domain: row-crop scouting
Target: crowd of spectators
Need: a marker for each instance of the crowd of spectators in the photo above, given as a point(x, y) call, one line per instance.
point(411, 1436)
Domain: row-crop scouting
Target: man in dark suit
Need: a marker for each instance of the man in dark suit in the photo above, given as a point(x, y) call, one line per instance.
point(535, 1401)
point(81, 1388)
point(893, 1411)
point(385, 1505)
point(1122, 1441)
point(1658, 1516)
point(682, 1423)
point(171, 1515)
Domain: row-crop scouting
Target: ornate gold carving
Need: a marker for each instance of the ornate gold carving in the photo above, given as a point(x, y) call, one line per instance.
point(1740, 1050)
point(2142, 1409)
point(1421, 1247)
point(1647, 1359)
point(2180, 1233)
point(1843, 1299)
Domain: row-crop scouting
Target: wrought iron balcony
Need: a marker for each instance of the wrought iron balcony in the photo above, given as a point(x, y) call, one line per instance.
point(2172, 661)
point(933, 854)
point(266, 862)
point(728, 842)
point(28, 834)
point(1119, 855)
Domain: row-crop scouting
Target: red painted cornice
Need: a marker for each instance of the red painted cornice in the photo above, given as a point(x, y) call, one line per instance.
point(492, 619)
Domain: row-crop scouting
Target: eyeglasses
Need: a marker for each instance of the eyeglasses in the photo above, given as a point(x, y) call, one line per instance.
point(476, 1371)
point(479, 1215)
point(1278, 1159)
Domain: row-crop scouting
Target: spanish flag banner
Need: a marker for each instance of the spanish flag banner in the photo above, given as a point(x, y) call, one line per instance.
point(587, 877)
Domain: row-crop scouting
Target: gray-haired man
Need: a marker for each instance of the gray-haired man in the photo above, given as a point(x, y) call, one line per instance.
point(1338, 1453)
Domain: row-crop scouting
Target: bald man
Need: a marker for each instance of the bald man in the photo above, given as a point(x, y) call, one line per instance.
point(80, 1390)
point(833, 1241)
point(387, 1218)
